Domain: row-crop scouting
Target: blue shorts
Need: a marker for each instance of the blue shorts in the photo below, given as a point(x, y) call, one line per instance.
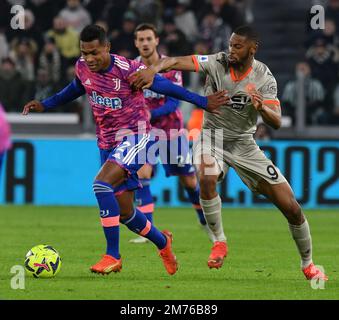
point(131, 154)
point(176, 157)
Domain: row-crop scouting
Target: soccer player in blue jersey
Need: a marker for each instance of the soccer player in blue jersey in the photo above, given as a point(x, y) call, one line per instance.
point(124, 138)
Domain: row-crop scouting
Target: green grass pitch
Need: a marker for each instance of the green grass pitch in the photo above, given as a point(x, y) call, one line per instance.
point(262, 263)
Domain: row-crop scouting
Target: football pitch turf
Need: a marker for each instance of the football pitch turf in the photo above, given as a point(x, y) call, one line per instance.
point(263, 262)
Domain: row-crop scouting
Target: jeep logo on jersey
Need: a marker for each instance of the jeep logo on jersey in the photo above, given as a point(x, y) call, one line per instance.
point(114, 103)
point(239, 101)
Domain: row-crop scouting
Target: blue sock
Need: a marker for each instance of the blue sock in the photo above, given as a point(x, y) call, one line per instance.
point(139, 224)
point(110, 214)
point(145, 200)
point(193, 195)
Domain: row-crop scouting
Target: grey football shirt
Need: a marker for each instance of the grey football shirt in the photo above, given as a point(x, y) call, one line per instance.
point(237, 119)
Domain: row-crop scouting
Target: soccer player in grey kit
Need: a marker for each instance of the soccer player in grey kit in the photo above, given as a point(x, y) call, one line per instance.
point(253, 91)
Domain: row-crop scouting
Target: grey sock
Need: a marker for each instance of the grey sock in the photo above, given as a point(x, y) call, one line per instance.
point(302, 237)
point(212, 212)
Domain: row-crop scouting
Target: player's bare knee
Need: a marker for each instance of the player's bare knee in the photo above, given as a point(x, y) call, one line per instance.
point(208, 185)
point(112, 174)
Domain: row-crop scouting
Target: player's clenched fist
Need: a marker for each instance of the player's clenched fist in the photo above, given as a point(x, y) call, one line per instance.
point(33, 105)
point(216, 100)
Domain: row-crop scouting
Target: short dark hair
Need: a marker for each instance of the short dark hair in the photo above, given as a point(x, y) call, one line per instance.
point(146, 26)
point(93, 32)
point(248, 32)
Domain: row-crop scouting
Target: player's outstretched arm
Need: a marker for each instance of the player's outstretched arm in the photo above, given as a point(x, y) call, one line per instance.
point(210, 103)
point(143, 79)
point(71, 92)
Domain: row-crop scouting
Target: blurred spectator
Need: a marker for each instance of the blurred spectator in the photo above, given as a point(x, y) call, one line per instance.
point(263, 132)
point(214, 32)
point(329, 34)
point(113, 13)
point(30, 32)
point(314, 96)
point(23, 53)
point(13, 89)
point(75, 15)
point(67, 41)
point(245, 6)
point(185, 20)
point(123, 41)
point(332, 12)
point(174, 39)
point(97, 8)
point(169, 5)
point(321, 58)
point(43, 86)
point(227, 11)
point(4, 48)
point(50, 60)
point(147, 11)
point(44, 12)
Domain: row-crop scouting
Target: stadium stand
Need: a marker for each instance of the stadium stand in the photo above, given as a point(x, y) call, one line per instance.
point(39, 59)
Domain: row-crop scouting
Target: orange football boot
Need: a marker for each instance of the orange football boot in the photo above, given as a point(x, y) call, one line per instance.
point(167, 256)
point(219, 252)
point(107, 264)
point(312, 272)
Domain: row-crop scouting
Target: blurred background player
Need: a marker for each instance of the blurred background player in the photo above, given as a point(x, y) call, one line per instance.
point(5, 133)
point(124, 139)
point(253, 91)
point(165, 115)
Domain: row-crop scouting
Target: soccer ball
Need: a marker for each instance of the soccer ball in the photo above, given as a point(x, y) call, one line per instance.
point(42, 261)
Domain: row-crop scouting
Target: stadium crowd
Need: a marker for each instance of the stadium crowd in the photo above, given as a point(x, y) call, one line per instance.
point(39, 60)
point(320, 69)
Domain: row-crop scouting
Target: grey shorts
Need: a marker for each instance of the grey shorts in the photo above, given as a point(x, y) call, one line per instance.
point(244, 156)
